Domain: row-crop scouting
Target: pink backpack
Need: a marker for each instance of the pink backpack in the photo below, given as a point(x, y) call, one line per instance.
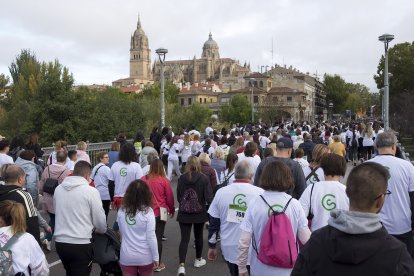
point(277, 244)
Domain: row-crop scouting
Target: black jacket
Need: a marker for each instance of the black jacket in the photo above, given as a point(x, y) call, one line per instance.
point(295, 168)
point(16, 193)
point(201, 184)
point(332, 252)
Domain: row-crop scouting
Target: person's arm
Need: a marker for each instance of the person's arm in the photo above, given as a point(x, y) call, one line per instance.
point(38, 263)
point(300, 183)
point(258, 173)
point(208, 191)
point(111, 189)
point(244, 244)
point(411, 194)
point(405, 264)
point(213, 230)
point(98, 213)
point(169, 198)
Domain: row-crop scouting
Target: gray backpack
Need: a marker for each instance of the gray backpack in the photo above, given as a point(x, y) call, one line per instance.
point(6, 258)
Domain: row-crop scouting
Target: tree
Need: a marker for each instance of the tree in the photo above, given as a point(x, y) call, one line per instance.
point(401, 65)
point(170, 91)
point(4, 81)
point(336, 92)
point(238, 111)
point(195, 114)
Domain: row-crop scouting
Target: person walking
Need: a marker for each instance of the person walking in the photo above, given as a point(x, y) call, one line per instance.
point(26, 252)
point(397, 213)
point(355, 242)
point(100, 177)
point(193, 193)
point(173, 160)
point(78, 210)
point(226, 213)
point(136, 221)
point(314, 173)
point(322, 197)
point(26, 162)
point(276, 180)
point(162, 202)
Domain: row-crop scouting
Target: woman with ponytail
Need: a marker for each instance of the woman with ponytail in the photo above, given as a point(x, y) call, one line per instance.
point(26, 252)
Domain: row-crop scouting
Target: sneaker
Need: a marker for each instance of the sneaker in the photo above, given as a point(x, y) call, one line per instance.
point(181, 271)
point(42, 235)
point(160, 268)
point(46, 245)
point(164, 238)
point(199, 262)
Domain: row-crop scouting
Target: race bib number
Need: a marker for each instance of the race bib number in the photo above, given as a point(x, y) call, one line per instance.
point(236, 213)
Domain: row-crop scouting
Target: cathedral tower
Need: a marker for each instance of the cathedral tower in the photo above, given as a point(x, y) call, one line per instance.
point(140, 56)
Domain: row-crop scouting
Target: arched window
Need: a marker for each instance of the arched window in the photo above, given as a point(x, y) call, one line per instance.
point(261, 83)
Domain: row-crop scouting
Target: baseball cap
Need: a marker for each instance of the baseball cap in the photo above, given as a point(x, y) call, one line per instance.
point(284, 143)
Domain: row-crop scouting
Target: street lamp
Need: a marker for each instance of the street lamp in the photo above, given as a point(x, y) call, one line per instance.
point(161, 55)
point(386, 38)
point(252, 81)
point(331, 105)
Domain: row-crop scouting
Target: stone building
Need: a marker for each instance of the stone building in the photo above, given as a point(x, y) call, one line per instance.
point(210, 67)
point(139, 60)
point(205, 93)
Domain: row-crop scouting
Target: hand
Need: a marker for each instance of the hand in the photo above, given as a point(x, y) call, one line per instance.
point(156, 263)
point(244, 274)
point(171, 215)
point(212, 254)
point(49, 229)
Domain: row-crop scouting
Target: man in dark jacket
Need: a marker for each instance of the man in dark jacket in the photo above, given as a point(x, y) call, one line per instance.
point(284, 148)
point(354, 242)
point(14, 179)
point(307, 146)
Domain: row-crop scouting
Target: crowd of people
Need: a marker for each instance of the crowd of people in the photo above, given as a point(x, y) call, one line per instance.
point(272, 198)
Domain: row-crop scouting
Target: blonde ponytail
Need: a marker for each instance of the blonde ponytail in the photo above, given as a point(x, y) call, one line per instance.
point(14, 215)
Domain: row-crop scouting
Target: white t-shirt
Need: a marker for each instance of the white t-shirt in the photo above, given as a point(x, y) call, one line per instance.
point(101, 180)
point(319, 172)
point(123, 174)
point(26, 253)
point(145, 170)
point(186, 151)
point(139, 243)
point(395, 215)
point(208, 130)
point(254, 161)
point(226, 174)
point(303, 162)
point(255, 221)
point(367, 141)
point(264, 141)
point(174, 152)
point(5, 159)
point(326, 197)
point(165, 148)
point(227, 201)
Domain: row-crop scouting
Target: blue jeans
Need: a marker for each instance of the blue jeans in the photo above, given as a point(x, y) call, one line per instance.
point(52, 225)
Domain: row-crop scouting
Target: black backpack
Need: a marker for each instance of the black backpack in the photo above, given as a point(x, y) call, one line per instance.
point(106, 249)
point(225, 181)
point(51, 183)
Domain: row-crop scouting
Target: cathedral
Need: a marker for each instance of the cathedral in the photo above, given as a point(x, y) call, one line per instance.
point(210, 67)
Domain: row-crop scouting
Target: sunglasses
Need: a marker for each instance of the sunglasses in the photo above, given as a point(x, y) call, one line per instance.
point(388, 192)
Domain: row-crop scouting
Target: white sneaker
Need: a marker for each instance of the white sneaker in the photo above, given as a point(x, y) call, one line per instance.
point(199, 262)
point(181, 271)
point(46, 245)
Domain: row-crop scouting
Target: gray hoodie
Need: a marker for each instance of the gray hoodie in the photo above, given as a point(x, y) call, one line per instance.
point(78, 209)
point(352, 222)
point(32, 178)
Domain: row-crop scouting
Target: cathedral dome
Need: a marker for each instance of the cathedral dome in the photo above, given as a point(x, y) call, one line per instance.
point(210, 43)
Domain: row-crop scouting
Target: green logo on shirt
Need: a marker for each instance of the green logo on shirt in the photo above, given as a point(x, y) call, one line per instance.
point(327, 202)
point(123, 172)
point(276, 208)
point(239, 200)
point(130, 220)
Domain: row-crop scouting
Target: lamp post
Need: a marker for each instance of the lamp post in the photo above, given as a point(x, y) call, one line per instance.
point(331, 105)
point(161, 55)
point(386, 38)
point(252, 81)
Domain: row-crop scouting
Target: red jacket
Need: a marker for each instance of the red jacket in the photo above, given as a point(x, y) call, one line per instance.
point(162, 194)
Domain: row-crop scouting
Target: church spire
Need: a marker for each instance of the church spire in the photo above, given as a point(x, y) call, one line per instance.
point(139, 22)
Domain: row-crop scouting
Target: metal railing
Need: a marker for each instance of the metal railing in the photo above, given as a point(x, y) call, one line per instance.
point(92, 150)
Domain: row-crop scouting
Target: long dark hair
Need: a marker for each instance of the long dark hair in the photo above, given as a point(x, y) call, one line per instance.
point(128, 154)
point(138, 197)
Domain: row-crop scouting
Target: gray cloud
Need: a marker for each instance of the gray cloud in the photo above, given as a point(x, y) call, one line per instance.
point(92, 37)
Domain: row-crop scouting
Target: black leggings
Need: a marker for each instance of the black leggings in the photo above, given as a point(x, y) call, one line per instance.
point(185, 239)
point(105, 205)
point(159, 231)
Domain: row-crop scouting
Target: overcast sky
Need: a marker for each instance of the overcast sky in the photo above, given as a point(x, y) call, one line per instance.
point(92, 37)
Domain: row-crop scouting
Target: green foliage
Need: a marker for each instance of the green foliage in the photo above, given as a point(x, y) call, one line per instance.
point(154, 91)
point(4, 81)
point(336, 92)
point(401, 65)
point(238, 111)
point(195, 114)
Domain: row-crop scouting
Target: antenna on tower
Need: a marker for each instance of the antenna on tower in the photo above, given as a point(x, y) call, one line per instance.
point(272, 52)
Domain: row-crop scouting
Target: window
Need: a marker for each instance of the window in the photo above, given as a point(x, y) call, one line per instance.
point(205, 100)
point(255, 99)
point(225, 100)
point(182, 101)
point(189, 101)
point(289, 99)
point(261, 83)
point(201, 100)
point(211, 100)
